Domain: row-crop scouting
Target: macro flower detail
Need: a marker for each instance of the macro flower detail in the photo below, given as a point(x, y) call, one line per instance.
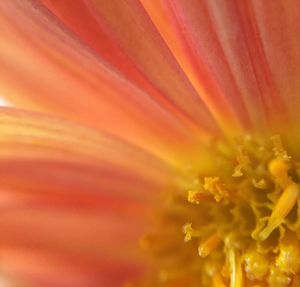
point(240, 230)
point(149, 143)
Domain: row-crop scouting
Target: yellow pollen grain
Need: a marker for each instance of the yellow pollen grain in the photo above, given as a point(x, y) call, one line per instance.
point(214, 186)
point(195, 196)
point(243, 162)
point(190, 232)
point(278, 149)
point(256, 264)
point(278, 278)
point(288, 259)
point(260, 184)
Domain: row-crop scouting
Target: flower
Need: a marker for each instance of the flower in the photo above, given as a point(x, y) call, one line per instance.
point(173, 119)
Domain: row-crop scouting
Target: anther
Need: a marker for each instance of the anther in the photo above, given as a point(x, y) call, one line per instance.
point(196, 196)
point(243, 162)
point(208, 245)
point(282, 208)
point(190, 232)
point(260, 184)
point(216, 188)
point(278, 149)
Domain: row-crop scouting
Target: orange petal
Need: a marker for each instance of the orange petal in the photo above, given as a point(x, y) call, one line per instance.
point(218, 46)
point(80, 19)
point(75, 194)
point(277, 29)
point(124, 35)
point(28, 267)
point(44, 65)
point(168, 25)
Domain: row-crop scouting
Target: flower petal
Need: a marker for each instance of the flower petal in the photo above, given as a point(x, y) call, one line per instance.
point(72, 198)
point(168, 25)
point(277, 28)
point(82, 86)
point(124, 35)
point(32, 257)
point(218, 46)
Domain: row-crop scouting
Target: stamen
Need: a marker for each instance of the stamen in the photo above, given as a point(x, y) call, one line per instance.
point(278, 149)
point(216, 188)
point(190, 232)
point(261, 184)
point(196, 196)
point(250, 237)
point(236, 278)
point(243, 161)
point(282, 208)
point(208, 245)
point(279, 169)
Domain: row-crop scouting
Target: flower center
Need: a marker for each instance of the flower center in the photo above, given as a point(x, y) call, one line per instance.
point(241, 222)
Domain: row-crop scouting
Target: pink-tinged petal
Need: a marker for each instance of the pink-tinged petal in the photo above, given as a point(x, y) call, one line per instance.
point(73, 198)
point(25, 134)
point(22, 267)
point(169, 27)
point(218, 46)
point(44, 65)
point(277, 25)
point(40, 258)
point(133, 45)
point(79, 18)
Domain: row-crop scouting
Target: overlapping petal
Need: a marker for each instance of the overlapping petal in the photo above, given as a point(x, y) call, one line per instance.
point(73, 202)
point(83, 86)
point(159, 75)
point(278, 31)
point(234, 54)
point(134, 46)
point(240, 59)
point(222, 58)
point(176, 37)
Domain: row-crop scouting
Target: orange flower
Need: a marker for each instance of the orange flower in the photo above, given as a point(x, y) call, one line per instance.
point(143, 98)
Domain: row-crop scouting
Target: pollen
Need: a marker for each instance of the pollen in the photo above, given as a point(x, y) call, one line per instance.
point(239, 226)
point(243, 162)
point(190, 232)
point(216, 188)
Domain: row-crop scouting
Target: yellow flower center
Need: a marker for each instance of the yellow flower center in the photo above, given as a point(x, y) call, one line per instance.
point(241, 223)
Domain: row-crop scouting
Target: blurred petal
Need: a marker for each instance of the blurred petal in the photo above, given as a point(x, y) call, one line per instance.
point(54, 262)
point(74, 197)
point(82, 86)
